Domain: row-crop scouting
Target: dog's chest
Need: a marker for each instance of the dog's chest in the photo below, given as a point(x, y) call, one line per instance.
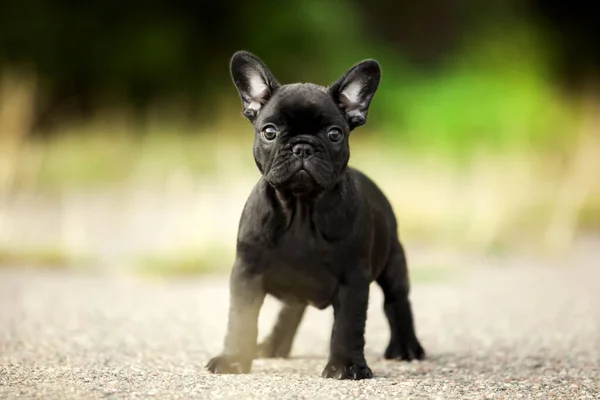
point(302, 268)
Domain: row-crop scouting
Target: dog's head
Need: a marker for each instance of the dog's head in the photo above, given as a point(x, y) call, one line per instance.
point(301, 129)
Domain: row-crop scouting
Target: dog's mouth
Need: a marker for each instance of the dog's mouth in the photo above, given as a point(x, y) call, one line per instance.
point(301, 176)
point(302, 182)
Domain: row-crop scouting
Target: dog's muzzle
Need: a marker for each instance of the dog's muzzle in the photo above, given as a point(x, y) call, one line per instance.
point(303, 150)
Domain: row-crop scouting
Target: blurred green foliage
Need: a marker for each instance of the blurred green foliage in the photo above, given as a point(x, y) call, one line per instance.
point(490, 84)
point(184, 264)
point(494, 92)
point(40, 257)
point(139, 92)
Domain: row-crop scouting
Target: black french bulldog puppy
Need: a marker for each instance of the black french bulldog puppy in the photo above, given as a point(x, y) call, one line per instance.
point(313, 231)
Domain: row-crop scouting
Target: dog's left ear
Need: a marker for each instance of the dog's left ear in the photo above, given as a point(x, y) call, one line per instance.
point(254, 82)
point(354, 91)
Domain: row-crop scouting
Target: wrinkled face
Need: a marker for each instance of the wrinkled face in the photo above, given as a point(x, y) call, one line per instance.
point(302, 129)
point(301, 141)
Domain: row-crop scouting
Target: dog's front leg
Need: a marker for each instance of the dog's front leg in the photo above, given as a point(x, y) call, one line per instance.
point(246, 298)
point(346, 358)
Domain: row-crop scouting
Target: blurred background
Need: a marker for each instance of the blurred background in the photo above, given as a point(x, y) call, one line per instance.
point(122, 144)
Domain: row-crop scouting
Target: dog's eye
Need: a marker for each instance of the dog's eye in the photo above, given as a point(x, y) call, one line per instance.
point(334, 135)
point(269, 132)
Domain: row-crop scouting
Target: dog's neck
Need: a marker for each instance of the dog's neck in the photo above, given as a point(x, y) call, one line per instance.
point(296, 205)
point(290, 201)
point(302, 208)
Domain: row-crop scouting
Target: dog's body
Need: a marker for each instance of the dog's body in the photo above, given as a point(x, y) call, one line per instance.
point(314, 231)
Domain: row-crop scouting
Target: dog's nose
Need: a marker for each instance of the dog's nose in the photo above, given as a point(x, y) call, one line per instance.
point(303, 150)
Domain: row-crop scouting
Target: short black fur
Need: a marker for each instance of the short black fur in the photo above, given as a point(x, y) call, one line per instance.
point(313, 231)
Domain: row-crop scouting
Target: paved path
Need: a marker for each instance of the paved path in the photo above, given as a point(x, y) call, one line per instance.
point(493, 333)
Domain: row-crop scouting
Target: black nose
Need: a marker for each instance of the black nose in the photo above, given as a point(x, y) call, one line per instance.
point(303, 150)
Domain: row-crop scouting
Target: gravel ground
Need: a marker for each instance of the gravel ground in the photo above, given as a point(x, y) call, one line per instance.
point(510, 333)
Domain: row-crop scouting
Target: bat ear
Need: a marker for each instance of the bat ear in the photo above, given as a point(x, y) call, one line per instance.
point(254, 82)
point(354, 91)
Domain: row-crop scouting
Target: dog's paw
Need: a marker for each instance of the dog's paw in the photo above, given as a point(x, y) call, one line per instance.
point(227, 365)
point(405, 351)
point(268, 349)
point(347, 370)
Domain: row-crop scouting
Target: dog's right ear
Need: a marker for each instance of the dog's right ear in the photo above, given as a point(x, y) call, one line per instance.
point(253, 80)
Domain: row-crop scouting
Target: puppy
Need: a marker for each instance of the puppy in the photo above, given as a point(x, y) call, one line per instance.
point(313, 231)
